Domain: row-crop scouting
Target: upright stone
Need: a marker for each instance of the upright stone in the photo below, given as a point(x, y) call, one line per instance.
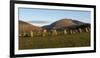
point(54, 32)
point(71, 32)
point(31, 33)
point(65, 32)
point(44, 32)
point(86, 29)
point(80, 30)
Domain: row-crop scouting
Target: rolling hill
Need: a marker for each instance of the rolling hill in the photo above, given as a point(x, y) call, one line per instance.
point(26, 27)
point(60, 24)
point(63, 23)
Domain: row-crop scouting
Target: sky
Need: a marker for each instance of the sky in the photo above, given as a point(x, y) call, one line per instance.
point(41, 17)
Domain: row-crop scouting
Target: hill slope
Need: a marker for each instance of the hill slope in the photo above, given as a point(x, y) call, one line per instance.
point(64, 23)
point(26, 27)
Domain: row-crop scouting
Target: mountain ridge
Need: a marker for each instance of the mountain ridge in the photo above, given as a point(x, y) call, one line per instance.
point(60, 24)
point(63, 23)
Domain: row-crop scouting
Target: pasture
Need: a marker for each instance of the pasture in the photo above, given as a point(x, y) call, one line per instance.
point(55, 41)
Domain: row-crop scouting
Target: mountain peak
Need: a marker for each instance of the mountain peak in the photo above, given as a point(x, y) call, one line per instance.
point(63, 23)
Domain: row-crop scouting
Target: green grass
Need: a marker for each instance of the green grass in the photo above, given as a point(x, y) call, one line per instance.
point(59, 41)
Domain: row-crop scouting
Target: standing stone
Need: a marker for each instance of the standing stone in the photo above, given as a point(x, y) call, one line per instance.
point(89, 29)
point(80, 30)
point(71, 31)
point(24, 34)
point(86, 29)
point(31, 33)
point(54, 32)
point(65, 32)
point(44, 33)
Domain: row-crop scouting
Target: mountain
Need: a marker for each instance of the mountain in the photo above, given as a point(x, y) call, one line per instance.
point(63, 23)
point(26, 27)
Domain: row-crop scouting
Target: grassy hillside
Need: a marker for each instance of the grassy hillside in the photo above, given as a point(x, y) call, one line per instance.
point(26, 27)
point(59, 41)
point(61, 24)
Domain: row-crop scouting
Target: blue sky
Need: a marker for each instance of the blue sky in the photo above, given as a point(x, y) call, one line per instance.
point(41, 17)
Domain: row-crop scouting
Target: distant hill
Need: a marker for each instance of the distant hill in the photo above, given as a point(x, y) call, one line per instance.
point(26, 27)
point(60, 24)
point(63, 23)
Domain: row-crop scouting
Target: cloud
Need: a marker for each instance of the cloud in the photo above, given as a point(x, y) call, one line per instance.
point(38, 22)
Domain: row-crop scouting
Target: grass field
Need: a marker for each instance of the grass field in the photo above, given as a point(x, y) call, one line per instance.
point(59, 41)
